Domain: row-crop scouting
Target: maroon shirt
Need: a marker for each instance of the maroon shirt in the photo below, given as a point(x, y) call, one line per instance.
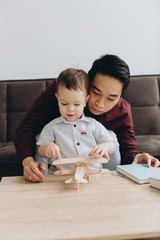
point(45, 109)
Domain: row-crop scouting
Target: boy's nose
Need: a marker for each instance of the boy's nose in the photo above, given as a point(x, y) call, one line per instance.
point(70, 108)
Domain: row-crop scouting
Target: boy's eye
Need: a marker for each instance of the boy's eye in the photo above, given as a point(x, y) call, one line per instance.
point(78, 104)
point(64, 104)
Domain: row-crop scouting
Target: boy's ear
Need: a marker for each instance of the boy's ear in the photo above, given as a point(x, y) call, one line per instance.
point(56, 96)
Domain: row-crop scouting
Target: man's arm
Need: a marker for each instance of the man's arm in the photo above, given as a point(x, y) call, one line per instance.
point(147, 158)
point(32, 170)
point(128, 147)
point(44, 109)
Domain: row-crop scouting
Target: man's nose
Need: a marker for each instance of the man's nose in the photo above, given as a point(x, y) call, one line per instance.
point(100, 102)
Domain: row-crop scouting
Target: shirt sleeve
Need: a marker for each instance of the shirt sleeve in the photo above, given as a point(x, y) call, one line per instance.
point(101, 134)
point(126, 138)
point(46, 136)
point(44, 109)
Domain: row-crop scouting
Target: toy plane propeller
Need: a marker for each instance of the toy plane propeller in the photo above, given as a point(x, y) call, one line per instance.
point(81, 173)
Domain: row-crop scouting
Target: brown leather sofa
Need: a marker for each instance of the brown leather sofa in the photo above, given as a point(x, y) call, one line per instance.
point(17, 96)
point(143, 94)
point(15, 99)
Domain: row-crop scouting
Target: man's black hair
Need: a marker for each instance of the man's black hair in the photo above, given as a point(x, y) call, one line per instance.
point(113, 66)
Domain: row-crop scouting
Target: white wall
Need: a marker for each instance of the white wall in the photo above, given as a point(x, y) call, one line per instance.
point(40, 38)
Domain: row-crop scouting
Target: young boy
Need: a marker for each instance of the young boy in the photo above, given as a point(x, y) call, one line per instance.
point(73, 134)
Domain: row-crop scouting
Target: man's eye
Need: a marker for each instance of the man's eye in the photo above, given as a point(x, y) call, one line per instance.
point(78, 104)
point(95, 93)
point(111, 99)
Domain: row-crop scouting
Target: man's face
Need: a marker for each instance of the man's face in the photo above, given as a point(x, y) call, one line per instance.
point(71, 103)
point(105, 92)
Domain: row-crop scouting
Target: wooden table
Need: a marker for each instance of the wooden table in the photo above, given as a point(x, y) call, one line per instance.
point(108, 207)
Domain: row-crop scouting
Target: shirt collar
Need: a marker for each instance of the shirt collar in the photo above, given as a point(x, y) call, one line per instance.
point(83, 118)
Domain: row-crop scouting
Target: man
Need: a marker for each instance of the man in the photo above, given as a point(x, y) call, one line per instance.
point(109, 77)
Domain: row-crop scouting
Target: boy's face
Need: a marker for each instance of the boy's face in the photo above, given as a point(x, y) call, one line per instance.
point(71, 103)
point(105, 92)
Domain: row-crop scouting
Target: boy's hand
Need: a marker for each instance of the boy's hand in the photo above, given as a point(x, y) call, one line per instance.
point(101, 149)
point(49, 150)
point(146, 158)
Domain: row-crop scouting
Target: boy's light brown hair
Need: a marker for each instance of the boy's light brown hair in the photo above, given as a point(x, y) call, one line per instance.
point(73, 78)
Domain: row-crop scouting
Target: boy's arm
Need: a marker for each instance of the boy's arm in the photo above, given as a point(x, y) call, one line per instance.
point(103, 149)
point(105, 143)
point(49, 150)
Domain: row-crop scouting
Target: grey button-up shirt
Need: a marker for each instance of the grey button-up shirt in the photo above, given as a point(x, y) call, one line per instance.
point(74, 138)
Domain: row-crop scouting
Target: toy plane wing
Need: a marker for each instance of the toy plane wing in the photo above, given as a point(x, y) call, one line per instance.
point(82, 160)
point(80, 172)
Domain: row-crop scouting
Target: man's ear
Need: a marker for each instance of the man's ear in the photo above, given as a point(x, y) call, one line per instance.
point(56, 96)
point(87, 98)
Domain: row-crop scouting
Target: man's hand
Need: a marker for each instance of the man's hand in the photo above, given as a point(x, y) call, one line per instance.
point(49, 150)
point(32, 170)
point(146, 158)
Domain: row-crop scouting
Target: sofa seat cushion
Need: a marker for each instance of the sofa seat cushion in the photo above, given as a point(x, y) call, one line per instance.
point(144, 143)
point(8, 153)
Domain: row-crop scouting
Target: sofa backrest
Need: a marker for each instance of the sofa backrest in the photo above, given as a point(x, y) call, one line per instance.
point(17, 96)
point(143, 94)
point(15, 99)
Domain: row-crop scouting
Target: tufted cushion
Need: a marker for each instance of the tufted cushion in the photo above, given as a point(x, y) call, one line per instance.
point(149, 143)
point(16, 98)
point(143, 95)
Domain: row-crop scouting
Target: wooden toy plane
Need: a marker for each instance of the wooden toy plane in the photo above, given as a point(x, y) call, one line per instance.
point(81, 173)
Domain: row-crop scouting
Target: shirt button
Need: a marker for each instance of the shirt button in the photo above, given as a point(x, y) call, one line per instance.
point(78, 144)
point(74, 125)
